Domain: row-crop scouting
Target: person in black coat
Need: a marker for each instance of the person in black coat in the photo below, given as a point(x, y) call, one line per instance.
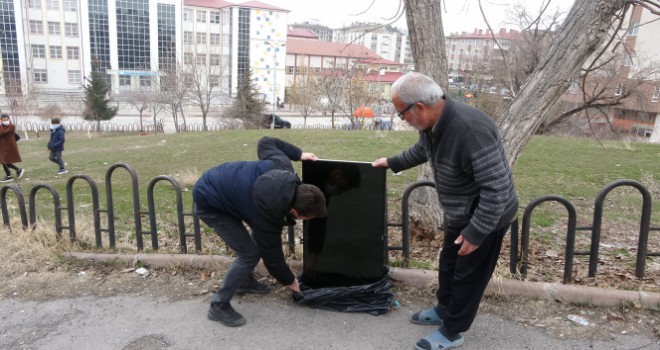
point(264, 194)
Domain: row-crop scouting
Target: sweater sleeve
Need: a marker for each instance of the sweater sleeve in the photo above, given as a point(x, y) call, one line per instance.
point(493, 177)
point(412, 157)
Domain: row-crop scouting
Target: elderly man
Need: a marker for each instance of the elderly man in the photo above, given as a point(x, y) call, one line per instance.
point(475, 187)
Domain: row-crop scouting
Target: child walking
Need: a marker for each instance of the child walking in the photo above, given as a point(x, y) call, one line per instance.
point(56, 145)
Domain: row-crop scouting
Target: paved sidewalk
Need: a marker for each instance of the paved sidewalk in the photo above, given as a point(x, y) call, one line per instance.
point(552, 291)
point(142, 323)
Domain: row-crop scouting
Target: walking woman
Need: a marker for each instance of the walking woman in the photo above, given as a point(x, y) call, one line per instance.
point(8, 149)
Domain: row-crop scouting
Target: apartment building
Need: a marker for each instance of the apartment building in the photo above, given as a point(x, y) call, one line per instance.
point(48, 46)
point(386, 41)
point(466, 52)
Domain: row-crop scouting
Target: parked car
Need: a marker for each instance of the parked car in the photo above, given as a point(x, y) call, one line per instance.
point(279, 122)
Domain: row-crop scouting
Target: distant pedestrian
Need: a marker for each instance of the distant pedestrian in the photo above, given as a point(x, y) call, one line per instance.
point(9, 149)
point(56, 145)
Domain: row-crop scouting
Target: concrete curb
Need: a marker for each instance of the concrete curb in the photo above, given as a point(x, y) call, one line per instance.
point(498, 286)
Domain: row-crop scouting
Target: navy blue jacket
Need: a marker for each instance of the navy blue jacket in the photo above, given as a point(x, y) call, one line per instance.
point(259, 193)
point(56, 142)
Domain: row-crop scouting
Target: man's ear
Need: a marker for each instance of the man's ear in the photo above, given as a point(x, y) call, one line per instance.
point(293, 213)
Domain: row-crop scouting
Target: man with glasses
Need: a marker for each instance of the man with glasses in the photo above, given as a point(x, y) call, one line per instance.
point(475, 187)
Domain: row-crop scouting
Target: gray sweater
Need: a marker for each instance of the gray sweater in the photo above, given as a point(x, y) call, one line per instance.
point(471, 173)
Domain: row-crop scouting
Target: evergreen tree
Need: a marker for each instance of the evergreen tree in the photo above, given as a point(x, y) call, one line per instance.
point(97, 103)
point(247, 105)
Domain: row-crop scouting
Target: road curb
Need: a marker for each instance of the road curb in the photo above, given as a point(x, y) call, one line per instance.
point(498, 286)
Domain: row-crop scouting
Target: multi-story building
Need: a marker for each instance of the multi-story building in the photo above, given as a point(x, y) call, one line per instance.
point(468, 52)
point(322, 32)
point(321, 57)
point(386, 41)
point(49, 47)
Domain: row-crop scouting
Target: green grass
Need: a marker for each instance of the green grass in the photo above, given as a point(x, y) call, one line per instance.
point(574, 168)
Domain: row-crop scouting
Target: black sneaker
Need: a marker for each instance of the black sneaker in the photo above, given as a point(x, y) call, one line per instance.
point(7, 179)
point(19, 173)
point(252, 286)
point(225, 314)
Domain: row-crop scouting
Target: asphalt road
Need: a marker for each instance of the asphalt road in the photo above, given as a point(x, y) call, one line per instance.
point(137, 322)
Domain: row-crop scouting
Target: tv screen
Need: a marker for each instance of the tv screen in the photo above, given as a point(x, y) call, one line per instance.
point(347, 247)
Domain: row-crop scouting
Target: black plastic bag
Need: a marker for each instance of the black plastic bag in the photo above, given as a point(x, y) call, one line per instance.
point(375, 298)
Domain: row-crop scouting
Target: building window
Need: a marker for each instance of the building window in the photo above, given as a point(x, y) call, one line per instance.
point(36, 27)
point(188, 15)
point(40, 76)
point(634, 29)
point(56, 52)
point(124, 83)
point(35, 4)
point(201, 59)
point(201, 16)
point(124, 80)
point(53, 4)
point(214, 60)
point(74, 77)
point(38, 51)
point(133, 35)
point(656, 94)
point(201, 38)
point(72, 53)
point(187, 37)
point(187, 58)
point(619, 89)
point(69, 5)
point(54, 28)
point(215, 80)
point(214, 39)
point(215, 17)
point(145, 81)
point(71, 30)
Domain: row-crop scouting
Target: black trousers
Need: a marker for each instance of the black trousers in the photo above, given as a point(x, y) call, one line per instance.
point(464, 278)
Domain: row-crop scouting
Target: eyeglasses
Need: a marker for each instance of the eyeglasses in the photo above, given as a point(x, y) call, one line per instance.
point(403, 112)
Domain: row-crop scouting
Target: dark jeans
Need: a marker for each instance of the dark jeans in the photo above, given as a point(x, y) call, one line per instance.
point(463, 279)
point(56, 157)
point(237, 237)
point(12, 166)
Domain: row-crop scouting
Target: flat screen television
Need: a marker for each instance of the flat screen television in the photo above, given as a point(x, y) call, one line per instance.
point(348, 247)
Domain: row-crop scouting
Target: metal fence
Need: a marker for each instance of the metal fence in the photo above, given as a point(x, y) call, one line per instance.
point(519, 251)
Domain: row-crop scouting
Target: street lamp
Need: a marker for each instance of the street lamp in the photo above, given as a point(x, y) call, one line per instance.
point(276, 48)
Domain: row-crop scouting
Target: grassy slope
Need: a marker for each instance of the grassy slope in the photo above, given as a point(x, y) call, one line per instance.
point(574, 168)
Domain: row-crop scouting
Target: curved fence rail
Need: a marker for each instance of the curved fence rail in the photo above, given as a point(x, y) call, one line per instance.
point(519, 255)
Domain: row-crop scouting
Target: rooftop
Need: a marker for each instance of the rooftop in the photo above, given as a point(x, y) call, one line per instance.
point(323, 48)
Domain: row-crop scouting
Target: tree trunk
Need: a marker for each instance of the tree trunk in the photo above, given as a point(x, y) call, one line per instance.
point(424, 18)
point(585, 30)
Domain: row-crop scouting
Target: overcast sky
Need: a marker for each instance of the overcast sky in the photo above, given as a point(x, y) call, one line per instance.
point(459, 15)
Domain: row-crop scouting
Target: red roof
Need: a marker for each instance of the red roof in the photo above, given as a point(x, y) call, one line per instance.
point(380, 61)
point(387, 77)
point(323, 48)
point(218, 4)
point(301, 33)
point(261, 5)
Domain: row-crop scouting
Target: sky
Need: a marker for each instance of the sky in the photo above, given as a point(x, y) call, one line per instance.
point(457, 16)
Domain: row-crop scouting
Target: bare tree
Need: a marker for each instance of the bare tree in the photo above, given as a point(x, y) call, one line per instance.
point(347, 90)
point(138, 99)
point(207, 86)
point(175, 87)
point(589, 28)
point(304, 93)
